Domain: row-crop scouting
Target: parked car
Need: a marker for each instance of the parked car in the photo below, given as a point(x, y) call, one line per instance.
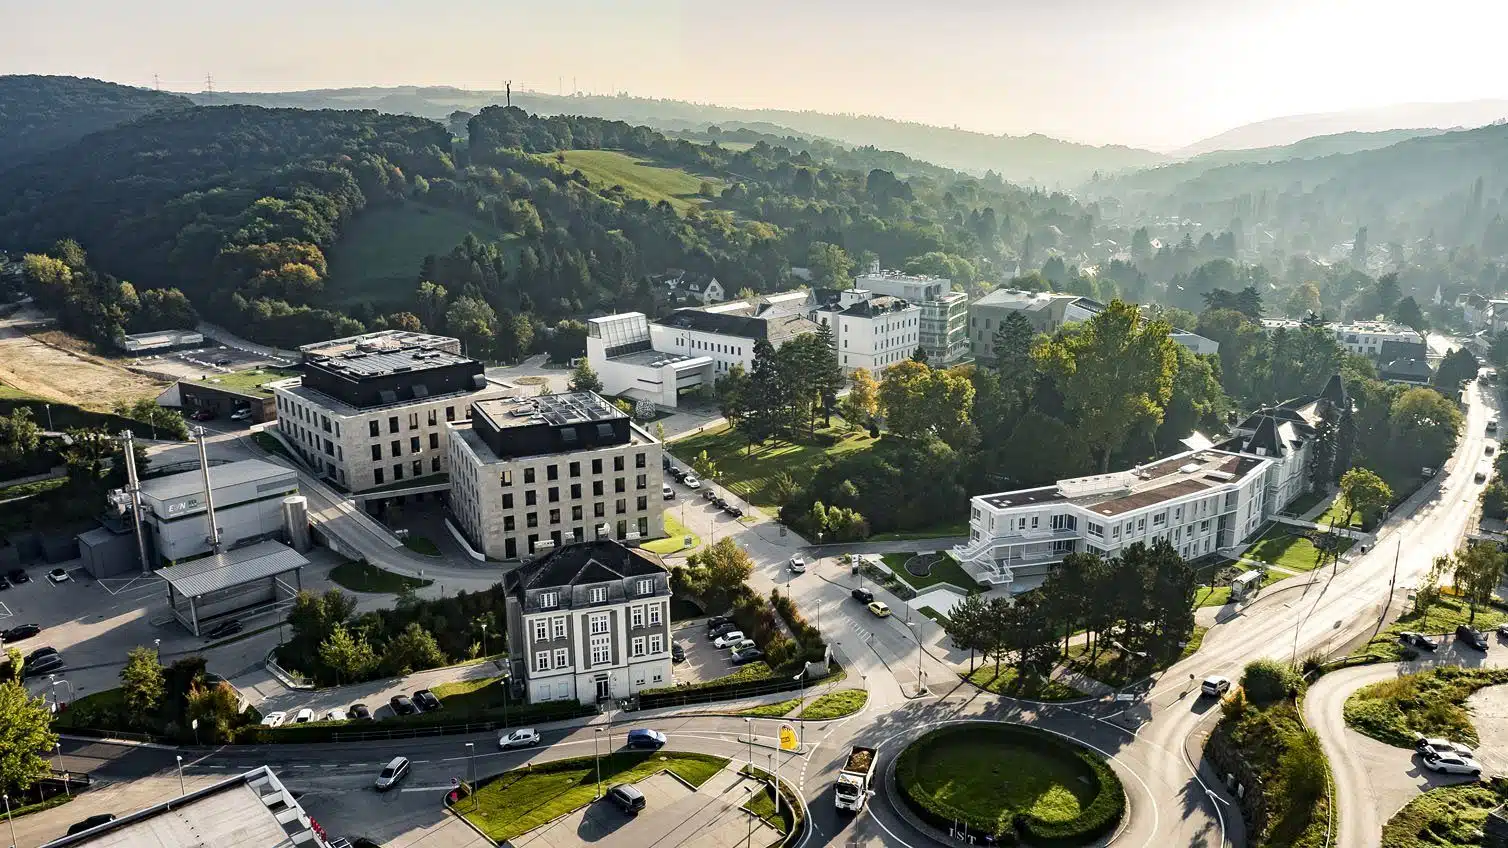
point(274, 719)
point(726, 627)
point(690, 481)
point(797, 565)
point(1418, 640)
point(1437, 747)
point(359, 712)
point(734, 510)
point(19, 632)
point(677, 653)
point(1452, 764)
point(402, 705)
point(747, 655)
point(863, 596)
point(336, 714)
point(668, 492)
point(203, 415)
point(1215, 686)
point(18, 576)
point(304, 716)
point(717, 501)
point(242, 414)
point(627, 798)
point(677, 472)
point(223, 629)
point(1481, 476)
point(90, 823)
point(222, 361)
point(879, 608)
point(717, 621)
point(46, 665)
point(38, 654)
point(392, 774)
point(1471, 637)
point(741, 645)
point(646, 738)
point(58, 575)
point(729, 639)
point(524, 737)
point(427, 701)
point(708, 494)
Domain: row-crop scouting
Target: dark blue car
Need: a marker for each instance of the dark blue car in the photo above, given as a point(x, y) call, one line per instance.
point(645, 738)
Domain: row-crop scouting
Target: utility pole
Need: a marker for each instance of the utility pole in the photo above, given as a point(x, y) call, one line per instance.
point(209, 494)
point(133, 492)
point(508, 91)
point(209, 88)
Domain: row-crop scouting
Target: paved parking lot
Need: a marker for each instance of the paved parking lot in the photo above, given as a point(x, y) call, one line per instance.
point(674, 815)
point(704, 661)
point(201, 362)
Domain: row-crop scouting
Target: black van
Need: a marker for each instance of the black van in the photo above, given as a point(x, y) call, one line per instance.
point(628, 799)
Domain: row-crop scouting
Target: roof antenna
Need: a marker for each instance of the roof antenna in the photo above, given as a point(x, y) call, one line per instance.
point(508, 89)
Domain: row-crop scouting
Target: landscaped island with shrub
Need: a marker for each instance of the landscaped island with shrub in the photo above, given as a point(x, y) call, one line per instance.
point(1431, 703)
point(1012, 782)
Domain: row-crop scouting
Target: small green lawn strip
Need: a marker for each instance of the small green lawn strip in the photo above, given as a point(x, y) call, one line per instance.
point(1442, 617)
point(771, 710)
point(1431, 703)
point(1284, 546)
point(675, 535)
point(422, 546)
point(54, 801)
point(516, 802)
point(833, 705)
point(752, 476)
point(944, 570)
point(358, 576)
point(935, 615)
point(1032, 688)
point(1113, 668)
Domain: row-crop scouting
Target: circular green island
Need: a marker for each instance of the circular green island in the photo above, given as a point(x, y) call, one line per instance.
point(1013, 782)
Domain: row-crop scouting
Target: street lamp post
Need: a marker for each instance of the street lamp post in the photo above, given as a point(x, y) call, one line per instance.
point(57, 749)
point(471, 768)
point(921, 685)
point(10, 821)
point(181, 789)
point(749, 723)
point(597, 755)
point(484, 640)
point(195, 724)
point(800, 708)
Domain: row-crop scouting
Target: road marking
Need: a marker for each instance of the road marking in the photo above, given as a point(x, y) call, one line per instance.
point(444, 788)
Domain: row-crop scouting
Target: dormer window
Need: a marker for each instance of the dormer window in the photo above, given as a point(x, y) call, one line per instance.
point(646, 587)
point(549, 600)
point(599, 594)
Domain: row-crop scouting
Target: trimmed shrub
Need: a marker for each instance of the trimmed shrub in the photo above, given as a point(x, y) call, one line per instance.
point(1266, 681)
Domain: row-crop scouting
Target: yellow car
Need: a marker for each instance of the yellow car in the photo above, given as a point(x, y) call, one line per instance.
point(879, 608)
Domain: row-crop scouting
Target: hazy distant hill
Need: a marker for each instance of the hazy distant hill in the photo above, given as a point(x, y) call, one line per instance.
point(40, 113)
point(1023, 159)
point(1291, 128)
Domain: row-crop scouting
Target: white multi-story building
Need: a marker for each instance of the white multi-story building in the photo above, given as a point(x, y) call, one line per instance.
point(589, 621)
point(533, 474)
point(1200, 501)
point(1365, 338)
point(1048, 312)
point(370, 411)
point(871, 332)
point(944, 328)
point(661, 360)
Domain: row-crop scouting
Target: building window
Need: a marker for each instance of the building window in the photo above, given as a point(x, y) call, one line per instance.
point(602, 651)
point(549, 600)
point(559, 625)
point(529, 497)
point(528, 476)
point(417, 467)
point(552, 472)
point(373, 428)
point(413, 444)
point(597, 623)
point(641, 482)
point(657, 644)
point(450, 413)
point(531, 520)
point(654, 612)
point(620, 485)
point(541, 630)
point(1141, 525)
point(599, 595)
point(642, 504)
point(599, 509)
point(636, 617)
point(434, 465)
point(398, 472)
point(396, 447)
point(1096, 530)
point(576, 513)
point(413, 420)
point(562, 658)
point(618, 463)
point(597, 466)
point(1159, 519)
point(644, 587)
point(507, 477)
point(508, 524)
point(575, 491)
point(597, 488)
point(622, 507)
point(377, 453)
point(638, 646)
point(553, 495)
point(507, 500)
point(434, 416)
point(541, 660)
point(554, 516)
point(575, 469)
point(377, 476)
point(640, 460)
point(643, 528)
point(392, 424)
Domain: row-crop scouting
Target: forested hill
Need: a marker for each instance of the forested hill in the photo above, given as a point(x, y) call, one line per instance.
point(240, 207)
point(40, 113)
point(1029, 159)
point(1451, 187)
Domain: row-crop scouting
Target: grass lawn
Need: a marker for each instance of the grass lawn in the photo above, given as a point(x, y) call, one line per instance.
point(1033, 688)
point(464, 697)
point(1430, 702)
point(1212, 596)
point(992, 778)
point(8, 392)
point(1283, 547)
point(1337, 513)
point(771, 710)
point(1443, 616)
point(250, 382)
point(934, 615)
point(638, 176)
point(88, 706)
point(833, 705)
point(37, 487)
point(516, 802)
point(54, 801)
point(1448, 817)
point(358, 576)
point(1305, 502)
point(938, 531)
point(763, 804)
point(422, 546)
point(1114, 668)
point(944, 570)
point(676, 533)
point(380, 251)
point(751, 477)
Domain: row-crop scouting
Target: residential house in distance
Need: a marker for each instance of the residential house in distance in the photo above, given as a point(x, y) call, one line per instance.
point(1047, 312)
point(370, 411)
point(589, 621)
point(693, 286)
point(1208, 497)
point(944, 327)
point(871, 332)
point(536, 473)
point(1475, 310)
point(1365, 338)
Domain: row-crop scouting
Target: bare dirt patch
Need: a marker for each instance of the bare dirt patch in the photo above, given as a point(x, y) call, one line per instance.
point(56, 366)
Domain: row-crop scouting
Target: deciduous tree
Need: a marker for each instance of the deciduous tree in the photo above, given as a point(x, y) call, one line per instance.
point(141, 682)
point(26, 736)
point(1365, 494)
point(584, 379)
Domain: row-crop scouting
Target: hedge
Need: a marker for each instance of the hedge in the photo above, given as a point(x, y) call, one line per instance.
point(493, 719)
point(1099, 818)
point(756, 678)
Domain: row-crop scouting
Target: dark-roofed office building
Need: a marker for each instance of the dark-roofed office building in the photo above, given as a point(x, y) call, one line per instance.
point(532, 474)
point(370, 411)
point(589, 621)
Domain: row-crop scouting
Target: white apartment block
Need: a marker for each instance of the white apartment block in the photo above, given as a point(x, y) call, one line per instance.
point(872, 332)
point(1360, 337)
point(370, 411)
point(1047, 312)
point(531, 475)
point(944, 328)
point(589, 621)
point(1201, 500)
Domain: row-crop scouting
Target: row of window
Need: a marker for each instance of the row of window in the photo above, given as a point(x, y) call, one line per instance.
point(578, 534)
point(552, 471)
point(599, 510)
point(601, 652)
point(396, 446)
point(416, 469)
point(307, 415)
point(432, 418)
point(596, 595)
point(552, 494)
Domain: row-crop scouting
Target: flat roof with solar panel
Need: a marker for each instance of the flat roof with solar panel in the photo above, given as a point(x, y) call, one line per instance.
point(390, 370)
point(514, 427)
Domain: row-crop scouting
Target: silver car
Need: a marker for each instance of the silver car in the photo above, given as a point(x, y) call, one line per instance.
point(392, 774)
point(1453, 764)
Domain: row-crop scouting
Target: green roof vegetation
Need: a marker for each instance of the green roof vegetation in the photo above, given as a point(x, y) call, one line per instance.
point(249, 382)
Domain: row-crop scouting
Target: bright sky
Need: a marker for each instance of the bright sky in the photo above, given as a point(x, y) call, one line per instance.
point(1160, 74)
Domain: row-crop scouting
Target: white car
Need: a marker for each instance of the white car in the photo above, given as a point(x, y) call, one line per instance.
point(274, 719)
point(691, 482)
point(392, 774)
point(1453, 764)
point(1215, 686)
point(732, 637)
point(336, 714)
point(242, 414)
point(667, 492)
point(1437, 747)
point(304, 716)
point(797, 564)
point(740, 645)
point(58, 575)
point(524, 737)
